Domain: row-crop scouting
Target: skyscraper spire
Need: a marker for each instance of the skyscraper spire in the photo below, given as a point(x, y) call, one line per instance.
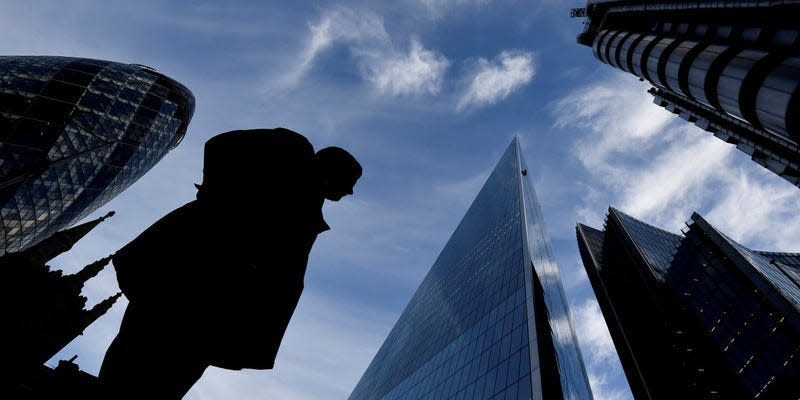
point(490, 320)
point(59, 242)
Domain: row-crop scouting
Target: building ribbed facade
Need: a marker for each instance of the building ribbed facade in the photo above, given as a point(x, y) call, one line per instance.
point(730, 67)
point(490, 320)
point(74, 133)
point(696, 316)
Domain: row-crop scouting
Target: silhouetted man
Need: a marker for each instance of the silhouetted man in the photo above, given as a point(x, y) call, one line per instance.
point(216, 281)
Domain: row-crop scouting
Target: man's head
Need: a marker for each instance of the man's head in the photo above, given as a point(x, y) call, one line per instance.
point(339, 171)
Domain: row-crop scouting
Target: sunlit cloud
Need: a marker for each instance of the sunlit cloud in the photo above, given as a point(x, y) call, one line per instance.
point(339, 25)
point(660, 169)
point(495, 80)
point(598, 350)
point(419, 71)
point(604, 389)
point(389, 68)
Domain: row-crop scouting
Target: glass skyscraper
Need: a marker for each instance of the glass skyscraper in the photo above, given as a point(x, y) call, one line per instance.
point(490, 320)
point(730, 67)
point(696, 316)
point(76, 132)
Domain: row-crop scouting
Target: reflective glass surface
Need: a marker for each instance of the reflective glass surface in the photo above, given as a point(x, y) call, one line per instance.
point(465, 332)
point(656, 245)
point(74, 133)
point(721, 284)
point(571, 371)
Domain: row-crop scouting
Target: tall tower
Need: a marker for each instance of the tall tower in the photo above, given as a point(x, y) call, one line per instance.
point(490, 320)
point(696, 316)
point(730, 67)
point(74, 133)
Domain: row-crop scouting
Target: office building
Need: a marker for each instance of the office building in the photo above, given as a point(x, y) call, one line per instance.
point(74, 133)
point(730, 67)
point(696, 316)
point(490, 319)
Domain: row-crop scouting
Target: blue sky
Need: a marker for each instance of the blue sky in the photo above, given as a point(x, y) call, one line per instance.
point(427, 94)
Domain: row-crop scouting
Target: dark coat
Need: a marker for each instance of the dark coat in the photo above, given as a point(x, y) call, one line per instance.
point(223, 274)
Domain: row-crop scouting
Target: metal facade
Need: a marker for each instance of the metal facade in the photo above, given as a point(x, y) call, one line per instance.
point(730, 67)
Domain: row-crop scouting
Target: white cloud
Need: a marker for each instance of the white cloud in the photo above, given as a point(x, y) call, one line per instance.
point(339, 25)
point(598, 351)
point(660, 168)
point(602, 389)
point(418, 71)
point(678, 175)
point(390, 70)
point(437, 8)
point(495, 80)
point(758, 211)
point(618, 116)
point(346, 25)
point(593, 335)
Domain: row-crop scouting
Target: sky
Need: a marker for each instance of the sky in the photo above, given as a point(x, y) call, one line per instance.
point(426, 94)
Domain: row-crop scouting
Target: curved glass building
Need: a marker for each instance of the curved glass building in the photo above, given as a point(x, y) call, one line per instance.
point(490, 320)
point(730, 67)
point(76, 132)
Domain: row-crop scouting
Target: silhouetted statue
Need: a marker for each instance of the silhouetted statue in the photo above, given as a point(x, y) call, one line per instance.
point(216, 281)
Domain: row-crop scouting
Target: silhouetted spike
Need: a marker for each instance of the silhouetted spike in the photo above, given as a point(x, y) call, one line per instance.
point(90, 271)
point(59, 242)
point(101, 308)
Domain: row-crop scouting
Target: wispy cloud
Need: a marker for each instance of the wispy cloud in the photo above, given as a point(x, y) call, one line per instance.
point(417, 72)
point(598, 351)
point(381, 62)
point(660, 168)
point(338, 25)
point(593, 335)
point(759, 210)
point(438, 8)
point(495, 80)
point(604, 389)
point(616, 116)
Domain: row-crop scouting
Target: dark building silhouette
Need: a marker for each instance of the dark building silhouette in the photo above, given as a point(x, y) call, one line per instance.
point(696, 316)
point(730, 67)
point(76, 132)
point(490, 320)
point(43, 310)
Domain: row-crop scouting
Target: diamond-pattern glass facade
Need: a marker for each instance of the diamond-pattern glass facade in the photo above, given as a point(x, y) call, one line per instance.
point(76, 132)
point(480, 316)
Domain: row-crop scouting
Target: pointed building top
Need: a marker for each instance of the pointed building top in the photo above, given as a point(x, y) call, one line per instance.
point(89, 271)
point(655, 244)
point(59, 242)
point(99, 309)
